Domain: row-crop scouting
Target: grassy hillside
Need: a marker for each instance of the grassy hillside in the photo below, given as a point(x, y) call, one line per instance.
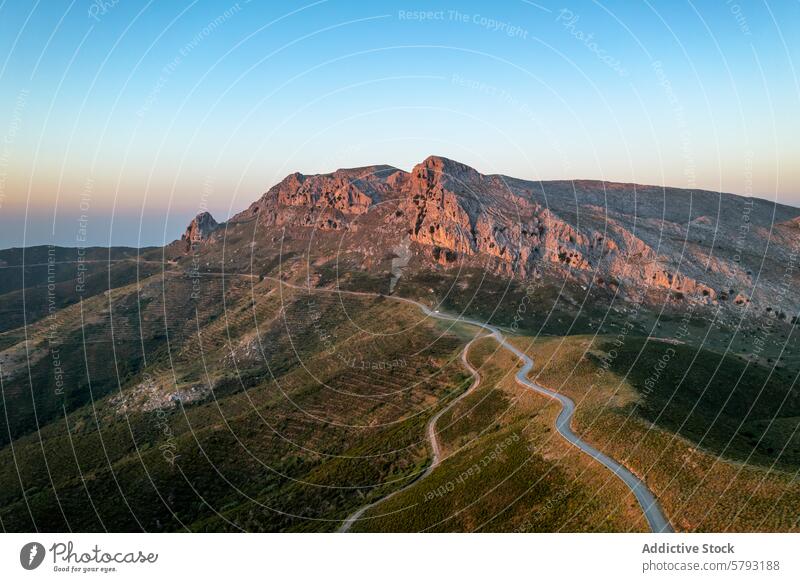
point(686, 438)
point(198, 394)
point(730, 406)
point(506, 469)
point(259, 422)
point(37, 281)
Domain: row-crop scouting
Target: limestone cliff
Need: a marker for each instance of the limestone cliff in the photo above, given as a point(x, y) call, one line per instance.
point(700, 244)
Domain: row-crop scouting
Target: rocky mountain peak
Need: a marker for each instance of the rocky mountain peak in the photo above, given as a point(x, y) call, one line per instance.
point(440, 171)
point(448, 167)
point(199, 229)
point(638, 238)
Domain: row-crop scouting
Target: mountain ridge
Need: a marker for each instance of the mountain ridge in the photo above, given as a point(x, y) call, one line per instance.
point(694, 243)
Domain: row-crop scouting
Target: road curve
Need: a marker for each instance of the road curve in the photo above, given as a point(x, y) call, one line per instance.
point(647, 501)
point(432, 438)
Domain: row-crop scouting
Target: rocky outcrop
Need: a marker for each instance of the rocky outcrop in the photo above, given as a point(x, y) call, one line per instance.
point(621, 235)
point(199, 229)
point(437, 215)
point(323, 201)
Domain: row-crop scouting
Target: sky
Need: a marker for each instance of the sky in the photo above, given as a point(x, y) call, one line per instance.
point(120, 120)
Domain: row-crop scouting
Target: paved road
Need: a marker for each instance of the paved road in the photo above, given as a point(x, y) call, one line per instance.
point(652, 510)
point(433, 438)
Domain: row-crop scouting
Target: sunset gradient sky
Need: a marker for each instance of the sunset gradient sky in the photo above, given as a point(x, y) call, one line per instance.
point(139, 114)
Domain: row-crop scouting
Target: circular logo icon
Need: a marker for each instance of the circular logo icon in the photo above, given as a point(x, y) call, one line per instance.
point(31, 555)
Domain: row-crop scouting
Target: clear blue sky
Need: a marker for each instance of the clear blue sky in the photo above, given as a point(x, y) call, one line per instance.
point(158, 110)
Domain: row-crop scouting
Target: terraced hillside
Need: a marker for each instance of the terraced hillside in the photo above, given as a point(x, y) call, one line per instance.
point(256, 374)
point(255, 423)
point(37, 281)
point(714, 438)
point(506, 470)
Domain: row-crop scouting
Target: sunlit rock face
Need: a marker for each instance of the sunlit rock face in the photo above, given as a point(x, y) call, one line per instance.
point(199, 229)
point(696, 244)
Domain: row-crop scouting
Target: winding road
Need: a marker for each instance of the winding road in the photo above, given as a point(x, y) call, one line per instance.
point(432, 438)
point(650, 507)
point(647, 501)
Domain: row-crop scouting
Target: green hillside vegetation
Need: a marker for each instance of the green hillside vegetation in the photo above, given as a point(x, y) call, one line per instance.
point(193, 392)
point(505, 469)
point(670, 435)
point(295, 444)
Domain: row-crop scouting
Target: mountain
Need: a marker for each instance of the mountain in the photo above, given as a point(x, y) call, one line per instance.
point(224, 382)
point(640, 242)
point(198, 230)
